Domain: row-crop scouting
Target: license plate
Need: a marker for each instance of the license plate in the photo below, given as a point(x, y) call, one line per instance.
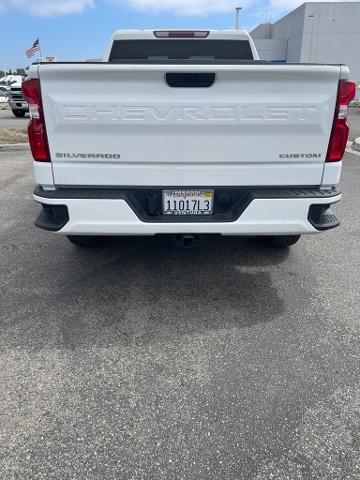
point(188, 202)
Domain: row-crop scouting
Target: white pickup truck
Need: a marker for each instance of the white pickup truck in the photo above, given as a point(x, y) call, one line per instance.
point(187, 133)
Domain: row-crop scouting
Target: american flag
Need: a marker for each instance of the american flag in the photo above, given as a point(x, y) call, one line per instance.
point(35, 48)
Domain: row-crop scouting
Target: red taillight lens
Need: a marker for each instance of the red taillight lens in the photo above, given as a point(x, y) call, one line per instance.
point(340, 131)
point(36, 128)
point(338, 140)
point(347, 92)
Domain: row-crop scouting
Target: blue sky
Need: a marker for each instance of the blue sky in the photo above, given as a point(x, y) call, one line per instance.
point(80, 29)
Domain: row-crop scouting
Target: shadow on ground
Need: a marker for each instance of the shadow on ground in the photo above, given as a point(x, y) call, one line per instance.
point(140, 290)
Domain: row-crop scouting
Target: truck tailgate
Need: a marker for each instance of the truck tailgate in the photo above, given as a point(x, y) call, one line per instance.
point(123, 125)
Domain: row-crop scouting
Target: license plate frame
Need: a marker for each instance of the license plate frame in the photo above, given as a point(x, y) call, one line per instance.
point(194, 202)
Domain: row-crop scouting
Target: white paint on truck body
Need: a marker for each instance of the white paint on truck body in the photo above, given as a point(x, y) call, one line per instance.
point(122, 125)
point(158, 135)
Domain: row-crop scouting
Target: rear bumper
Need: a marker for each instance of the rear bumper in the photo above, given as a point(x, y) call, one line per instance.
point(259, 211)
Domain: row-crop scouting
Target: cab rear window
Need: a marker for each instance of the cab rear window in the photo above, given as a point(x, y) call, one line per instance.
point(173, 49)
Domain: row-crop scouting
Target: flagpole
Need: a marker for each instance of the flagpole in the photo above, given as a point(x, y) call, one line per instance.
point(40, 47)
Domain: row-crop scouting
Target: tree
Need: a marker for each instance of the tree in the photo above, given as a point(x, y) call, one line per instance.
point(20, 71)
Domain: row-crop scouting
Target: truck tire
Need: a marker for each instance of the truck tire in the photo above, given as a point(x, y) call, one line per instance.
point(85, 241)
point(280, 241)
point(19, 113)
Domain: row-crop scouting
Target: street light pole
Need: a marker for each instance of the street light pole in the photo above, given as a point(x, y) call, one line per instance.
point(237, 9)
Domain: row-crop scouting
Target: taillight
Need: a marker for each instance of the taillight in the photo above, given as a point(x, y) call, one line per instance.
point(340, 130)
point(36, 128)
point(181, 33)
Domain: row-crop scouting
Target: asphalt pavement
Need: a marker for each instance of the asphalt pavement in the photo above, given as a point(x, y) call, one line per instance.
point(354, 121)
point(8, 120)
point(143, 361)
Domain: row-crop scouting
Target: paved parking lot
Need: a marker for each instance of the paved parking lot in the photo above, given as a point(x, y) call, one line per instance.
point(354, 120)
point(143, 361)
point(8, 120)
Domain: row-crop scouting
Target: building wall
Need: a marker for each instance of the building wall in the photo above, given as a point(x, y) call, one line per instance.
point(262, 31)
point(326, 32)
point(291, 25)
point(272, 50)
point(332, 35)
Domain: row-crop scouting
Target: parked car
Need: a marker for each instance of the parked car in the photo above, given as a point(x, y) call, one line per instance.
point(3, 96)
point(19, 106)
point(4, 89)
point(187, 133)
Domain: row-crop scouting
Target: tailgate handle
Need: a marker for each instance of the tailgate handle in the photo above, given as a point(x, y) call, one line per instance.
point(190, 80)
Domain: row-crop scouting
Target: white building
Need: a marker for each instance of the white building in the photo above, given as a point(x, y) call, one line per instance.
point(314, 33)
